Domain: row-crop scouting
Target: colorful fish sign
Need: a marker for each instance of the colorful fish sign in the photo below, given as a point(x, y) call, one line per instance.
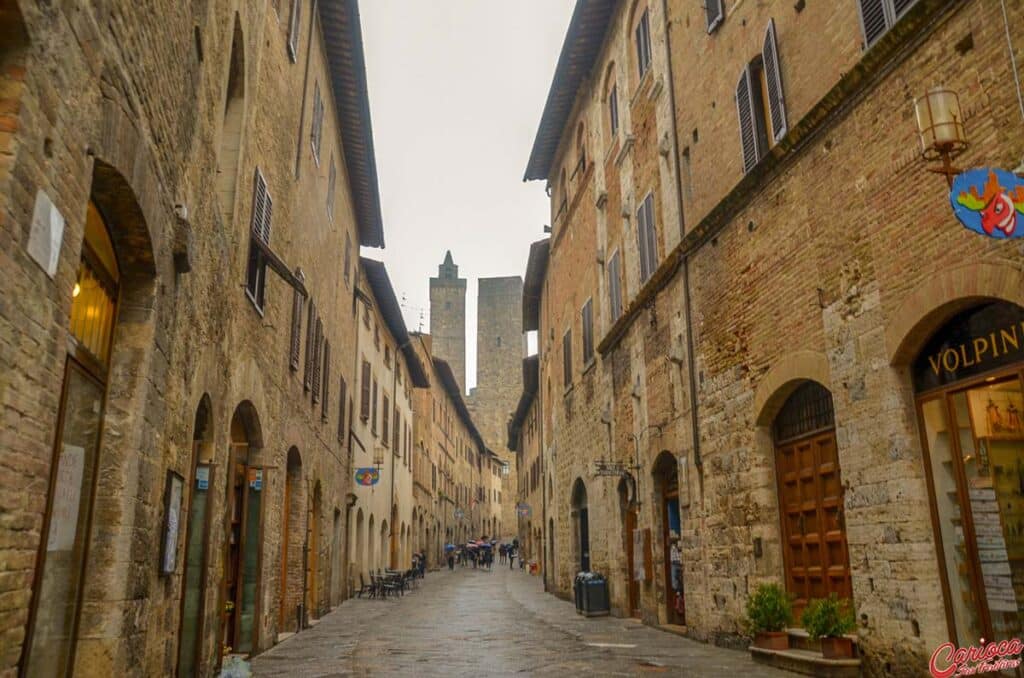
point(989, 202)
point(367, 476)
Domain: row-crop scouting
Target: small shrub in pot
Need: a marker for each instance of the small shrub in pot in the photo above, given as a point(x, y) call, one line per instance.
point(769, 612)
point(830, 620)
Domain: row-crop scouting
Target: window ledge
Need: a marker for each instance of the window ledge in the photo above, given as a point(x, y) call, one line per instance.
point(627, 146)
point(590, 365)
point(255, 304)
point(644, 80)
point(568, 390)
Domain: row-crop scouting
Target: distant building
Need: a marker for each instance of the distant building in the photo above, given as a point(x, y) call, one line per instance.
point(448, 318)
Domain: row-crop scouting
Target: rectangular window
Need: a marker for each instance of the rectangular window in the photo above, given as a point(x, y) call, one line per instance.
point(643, 43)
point(587, 318)
point(373, 408)
point(397, 432)
point(348, 257)
point(385, 420)
point(567, 359)
point(307, 376)
point(259, 238)
point(760, 104)
point(332, 179)
point(295, 343)
point(878, 16)
point(613, 109)
point(647, 238)
point(364, 392)
point(293, 31)
point(342, 397)
point(327, 380)
point(318, 351)
point(614, 287)
point(318, 122)
point(715, 13)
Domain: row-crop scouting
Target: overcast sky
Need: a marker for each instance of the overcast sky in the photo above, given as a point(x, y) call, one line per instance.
point(457, 88)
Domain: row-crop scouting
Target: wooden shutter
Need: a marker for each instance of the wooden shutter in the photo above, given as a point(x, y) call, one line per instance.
point(342, 397)
point(296, 339)
point(318, 344)
point(900, 7)
point(614, 288)
point(588, 331)
point(397, 431)
point(716, 13)
point(385, 421)
point(364, 392)
point(567, 358)
point(746, 112)
point(373, 408)
point(327, 380)
point(641, 242)
point(307, 375)
point(773, 82)
point(262, 208)
point(293, 31)
point(651, 235)
point(873, 20)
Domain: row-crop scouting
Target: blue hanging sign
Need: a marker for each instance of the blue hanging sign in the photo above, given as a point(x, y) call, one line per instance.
point(989, 202)
point(367, 476)
point(523, 510)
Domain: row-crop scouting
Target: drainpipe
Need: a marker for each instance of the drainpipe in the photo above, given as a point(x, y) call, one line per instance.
point(684, 263)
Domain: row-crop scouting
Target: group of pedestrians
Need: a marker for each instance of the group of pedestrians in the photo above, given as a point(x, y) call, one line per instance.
point(480, 554)
point(507, 553)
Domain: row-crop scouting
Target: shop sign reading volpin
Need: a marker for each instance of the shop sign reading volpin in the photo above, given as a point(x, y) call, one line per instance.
point(990, 202)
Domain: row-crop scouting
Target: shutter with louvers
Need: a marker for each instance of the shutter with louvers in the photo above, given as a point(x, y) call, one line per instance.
point(293, 31)
point(567, 358)
point(716, 13)
point(614, 291)
point(873, 20)
point(900, 7)
point(588, 331)
point(260, 201)
point(342, 397)
point(327, 379)
point(364, 392)
point(318, 344)
point(296, 339)
point(773, 80)
point(745, 109)
point(385, 420)
point(641, 242)
point(397, 432)
point(373, 409)
point(307, 375)
point(651, 234)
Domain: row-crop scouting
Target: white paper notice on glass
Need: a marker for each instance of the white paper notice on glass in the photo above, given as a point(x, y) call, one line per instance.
point(67, 496)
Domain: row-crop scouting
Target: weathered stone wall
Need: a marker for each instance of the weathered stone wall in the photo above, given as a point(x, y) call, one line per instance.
point(125, 103)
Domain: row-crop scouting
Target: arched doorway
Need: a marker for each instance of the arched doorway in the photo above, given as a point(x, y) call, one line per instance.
point(358, 546)
point(371, 546)
point(243, 518)
point(581, 524)
point(384, 543)
point(970, 403)
point(628, 512)
point(52, 631)
point(811, 496)
point(312, 603)
point(292, 543)
point(193, 594)
point(666, 488)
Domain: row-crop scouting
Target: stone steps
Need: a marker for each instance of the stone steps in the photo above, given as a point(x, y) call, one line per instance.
point(804, 656)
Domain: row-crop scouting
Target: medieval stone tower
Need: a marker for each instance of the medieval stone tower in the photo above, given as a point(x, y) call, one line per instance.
point(500, 349)
point(448, 317)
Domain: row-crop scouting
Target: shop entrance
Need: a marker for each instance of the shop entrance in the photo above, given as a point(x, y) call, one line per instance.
point(666, 485)
point(581, 524)
point(628, 509)
point(970, 408)
point(811, 497)
point(243, 518)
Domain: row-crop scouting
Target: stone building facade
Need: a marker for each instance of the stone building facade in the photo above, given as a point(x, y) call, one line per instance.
point(525, 440)
point(448, 317)
point(500, 347)
point(181, 260)
point(783, 312)
point(381, 513)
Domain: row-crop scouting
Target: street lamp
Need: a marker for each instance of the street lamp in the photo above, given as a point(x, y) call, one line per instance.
point(940, 125)
point(605, 467)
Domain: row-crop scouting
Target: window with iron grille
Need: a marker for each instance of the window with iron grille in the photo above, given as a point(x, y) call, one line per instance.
point(259, 239)
point(318, 122)
point(643, 42)
point(587, 320)
point(878, 16)
point(293, 31)
point(807, 410)
point(295, 343)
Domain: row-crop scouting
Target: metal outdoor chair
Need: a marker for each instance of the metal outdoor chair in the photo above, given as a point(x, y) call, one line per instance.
point(364, 587)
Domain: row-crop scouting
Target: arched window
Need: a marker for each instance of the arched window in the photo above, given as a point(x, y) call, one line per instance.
point(808, 409)
point(610, 98)
point(581, 150)
point(230, 148)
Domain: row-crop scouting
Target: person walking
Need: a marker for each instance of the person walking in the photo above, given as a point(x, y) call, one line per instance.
point(451, 560)
point(511, 557)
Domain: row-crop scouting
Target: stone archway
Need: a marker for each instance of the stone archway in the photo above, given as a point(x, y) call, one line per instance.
point(581, 524)
point(665, 474)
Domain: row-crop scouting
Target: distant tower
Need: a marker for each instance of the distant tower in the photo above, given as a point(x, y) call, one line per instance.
point(500, 342)
point(448, 317)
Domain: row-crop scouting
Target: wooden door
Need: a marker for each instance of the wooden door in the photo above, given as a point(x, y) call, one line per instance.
point(813, 528)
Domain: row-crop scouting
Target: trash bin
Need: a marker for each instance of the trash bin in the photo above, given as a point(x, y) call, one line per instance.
point(594, 595)
point(577, 592)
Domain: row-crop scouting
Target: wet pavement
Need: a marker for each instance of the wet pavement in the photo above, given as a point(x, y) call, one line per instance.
point(501, 623)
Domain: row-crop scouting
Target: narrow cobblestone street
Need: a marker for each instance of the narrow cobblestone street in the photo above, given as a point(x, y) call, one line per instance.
point(489, 624)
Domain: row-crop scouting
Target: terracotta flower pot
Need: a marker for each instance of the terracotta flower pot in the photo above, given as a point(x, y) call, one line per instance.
point(772, 640)
point(836, 648)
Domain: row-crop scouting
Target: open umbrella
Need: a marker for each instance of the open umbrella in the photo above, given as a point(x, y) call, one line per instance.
point(449, 547)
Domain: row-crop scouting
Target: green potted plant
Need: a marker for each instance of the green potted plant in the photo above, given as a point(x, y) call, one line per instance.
point(829, 620)
point(769, 612)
